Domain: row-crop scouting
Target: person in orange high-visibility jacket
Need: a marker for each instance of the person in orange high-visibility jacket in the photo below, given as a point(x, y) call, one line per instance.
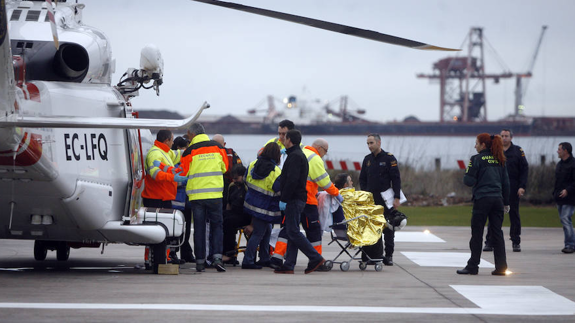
point(160, 186)
point(204, 162)
point(317, 177)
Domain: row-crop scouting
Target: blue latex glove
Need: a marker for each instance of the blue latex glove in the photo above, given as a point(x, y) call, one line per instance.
point(180, 179)
point(282, 206)
point(283, 151)
point(157, 163)
point(339, 198)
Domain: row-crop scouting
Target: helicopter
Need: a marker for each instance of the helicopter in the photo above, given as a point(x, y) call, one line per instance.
point(71, 143)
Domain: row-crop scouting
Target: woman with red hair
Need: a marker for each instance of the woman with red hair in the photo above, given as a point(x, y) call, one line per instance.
point(487, 175)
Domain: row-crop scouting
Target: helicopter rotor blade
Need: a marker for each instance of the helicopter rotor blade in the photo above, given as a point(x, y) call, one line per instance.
point(338, 28)
point(53, 23)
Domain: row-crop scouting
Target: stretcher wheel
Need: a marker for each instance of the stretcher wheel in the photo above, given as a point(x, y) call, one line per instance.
point(362, 265)
point(344, 266)
point(378, 266)
point(328, 264)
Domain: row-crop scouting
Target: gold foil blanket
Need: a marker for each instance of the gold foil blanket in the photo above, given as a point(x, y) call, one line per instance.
point(364, 231)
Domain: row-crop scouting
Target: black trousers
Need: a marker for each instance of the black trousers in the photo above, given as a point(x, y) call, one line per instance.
point(487, 208)
point(156, 203)
point(186, 251)
point(514, 219)
point(309, 220)
point(233, 221)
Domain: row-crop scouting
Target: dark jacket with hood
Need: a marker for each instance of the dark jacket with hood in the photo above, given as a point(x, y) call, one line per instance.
point(565, 180)
point(263, 196)
point(487, 177)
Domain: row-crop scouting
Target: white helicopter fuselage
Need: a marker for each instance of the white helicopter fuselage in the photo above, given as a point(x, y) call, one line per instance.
point(77, 175)
point(80, 177)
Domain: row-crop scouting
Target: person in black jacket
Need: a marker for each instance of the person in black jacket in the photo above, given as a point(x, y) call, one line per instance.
point(564, 193)
point(379, 172)
point(292, 201)
point(234, 215)
point(487, 175)
point(517, 169)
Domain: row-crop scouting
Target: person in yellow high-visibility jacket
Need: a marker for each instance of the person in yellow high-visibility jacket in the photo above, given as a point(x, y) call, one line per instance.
point(317, 177)
point(204, 162)
point(283, 127)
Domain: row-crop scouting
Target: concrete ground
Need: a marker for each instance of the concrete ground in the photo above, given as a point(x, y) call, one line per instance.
point(421, 286)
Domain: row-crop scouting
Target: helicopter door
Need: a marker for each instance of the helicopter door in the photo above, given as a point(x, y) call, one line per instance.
point(137, 170)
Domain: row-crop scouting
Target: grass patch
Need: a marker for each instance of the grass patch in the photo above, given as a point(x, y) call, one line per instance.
point(460, 215)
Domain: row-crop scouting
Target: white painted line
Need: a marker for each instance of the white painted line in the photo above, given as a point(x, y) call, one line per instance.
point(240, 308)
point(443, 259)
point(530, 300)
point(402, 236)
point(565, 307)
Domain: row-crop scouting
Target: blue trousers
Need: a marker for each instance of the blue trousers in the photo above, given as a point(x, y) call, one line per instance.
point(565, 215)
point(260, 237)
point(296, 240)
point(202, 211)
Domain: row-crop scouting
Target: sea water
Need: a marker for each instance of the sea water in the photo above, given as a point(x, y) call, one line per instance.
point(420, 152)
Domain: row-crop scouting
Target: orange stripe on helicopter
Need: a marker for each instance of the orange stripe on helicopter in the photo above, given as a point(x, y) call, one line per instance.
point(28, 153)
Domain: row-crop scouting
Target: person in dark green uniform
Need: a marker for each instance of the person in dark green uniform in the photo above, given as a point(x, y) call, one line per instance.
point(487, 174)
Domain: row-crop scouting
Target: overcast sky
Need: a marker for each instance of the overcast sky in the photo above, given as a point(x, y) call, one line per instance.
point(234, 59)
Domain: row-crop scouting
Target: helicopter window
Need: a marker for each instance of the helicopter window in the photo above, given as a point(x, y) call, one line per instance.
point(29, 45)
point(20, 44)
point(15, 15)
point(33, 15)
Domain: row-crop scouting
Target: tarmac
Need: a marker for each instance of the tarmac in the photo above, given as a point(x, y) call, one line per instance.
point(421, 286)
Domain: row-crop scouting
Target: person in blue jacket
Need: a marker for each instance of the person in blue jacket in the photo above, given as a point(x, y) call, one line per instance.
point(181, 203)
point(262, 203)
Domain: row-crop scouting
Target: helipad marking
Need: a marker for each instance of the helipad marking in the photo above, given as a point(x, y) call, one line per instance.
point(416, 237)
point(500, 300)
point(530, 300)
point(443, 259)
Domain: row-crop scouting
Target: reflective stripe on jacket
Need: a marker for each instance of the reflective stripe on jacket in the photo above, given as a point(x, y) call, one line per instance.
point(204, 162)
point(263, 196)
point(179, 203)
point(276, 140)
point(317, 176)
point(159, 181)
